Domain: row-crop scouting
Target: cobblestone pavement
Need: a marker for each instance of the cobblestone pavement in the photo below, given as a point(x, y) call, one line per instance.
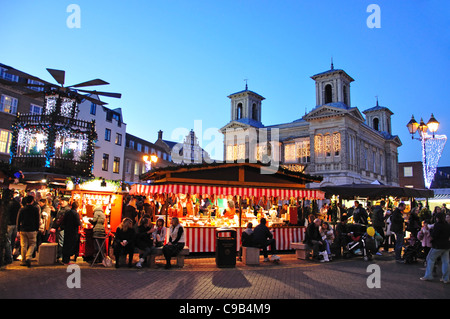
point(202, 279)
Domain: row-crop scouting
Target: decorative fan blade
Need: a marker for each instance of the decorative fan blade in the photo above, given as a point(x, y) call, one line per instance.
point(58, 75)
point(95, 101)
point(116, 95)
point(89, 83)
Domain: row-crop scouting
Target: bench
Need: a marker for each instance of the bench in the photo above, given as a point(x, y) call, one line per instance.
point(250, 255)
point(47, 253)
point(158, 252)
point(302, 251)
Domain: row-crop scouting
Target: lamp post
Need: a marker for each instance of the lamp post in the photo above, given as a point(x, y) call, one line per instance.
point(432, 145)
point(149, 159)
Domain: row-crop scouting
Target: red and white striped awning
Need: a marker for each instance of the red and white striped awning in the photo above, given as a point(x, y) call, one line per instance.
point(138, 189)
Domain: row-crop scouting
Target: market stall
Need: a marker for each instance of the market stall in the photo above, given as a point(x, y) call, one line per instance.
point(236, 192)
point(88, 195)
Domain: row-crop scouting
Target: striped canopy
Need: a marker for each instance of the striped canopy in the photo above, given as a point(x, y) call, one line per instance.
point(138, 189)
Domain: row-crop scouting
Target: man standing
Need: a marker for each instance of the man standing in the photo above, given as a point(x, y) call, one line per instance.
point(28, 226)
point(58, 223)
point(440, 235)
point(378, 221)
point(262, 237)
point(397, 227)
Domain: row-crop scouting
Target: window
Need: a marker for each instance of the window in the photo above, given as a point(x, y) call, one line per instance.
point(139, 147)
point(93, 108)
point(131, 144)
point(35, 88)
point(7, 76)
point(344, 90)
point(35, 109)
point(5, 141)
point(328, 93)
point(136, 168)
point(236, 152)
point(105, 162)
point(337, 143)
point(407, 171)
point(254, 112)
point(8, 104)
point(118, 139)
point(239, 111)
point(289, 153)
point(107, 135)
point(376, 124)
point(127, 166)
point(328, 145)
point(303, 150)
point(116, 165)
point(146, 149)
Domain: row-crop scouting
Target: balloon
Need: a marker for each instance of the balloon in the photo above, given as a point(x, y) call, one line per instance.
point(370, 231)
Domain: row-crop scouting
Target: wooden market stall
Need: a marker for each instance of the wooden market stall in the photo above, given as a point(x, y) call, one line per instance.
point(94, 193)
point(242, 183)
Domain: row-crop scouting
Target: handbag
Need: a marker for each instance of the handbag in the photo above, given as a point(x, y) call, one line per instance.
point(52, 236)
point(107, 262)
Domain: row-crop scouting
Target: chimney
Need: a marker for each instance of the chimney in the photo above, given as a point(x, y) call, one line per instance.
point(160, 133)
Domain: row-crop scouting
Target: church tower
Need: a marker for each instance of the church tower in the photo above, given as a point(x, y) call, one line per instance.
point(246, 107)
point(333, 86)
point(379, 118)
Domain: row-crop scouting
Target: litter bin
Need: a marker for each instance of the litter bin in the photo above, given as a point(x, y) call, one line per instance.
point(226, 247)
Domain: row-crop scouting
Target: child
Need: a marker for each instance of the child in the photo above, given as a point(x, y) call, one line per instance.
point(424, 236)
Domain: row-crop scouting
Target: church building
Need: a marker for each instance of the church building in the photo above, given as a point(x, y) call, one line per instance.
point(333, 140)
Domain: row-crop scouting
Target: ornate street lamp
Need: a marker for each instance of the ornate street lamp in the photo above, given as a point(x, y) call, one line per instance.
point(149, 159)
point(432, 145)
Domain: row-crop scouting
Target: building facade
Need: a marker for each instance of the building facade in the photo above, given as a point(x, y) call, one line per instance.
point(135, 165)
point(333, 140)
point(185, 153)
point(110, 144)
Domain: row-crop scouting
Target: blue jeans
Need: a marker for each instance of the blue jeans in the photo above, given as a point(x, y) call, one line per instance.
point(431, 259)
point(399, 238)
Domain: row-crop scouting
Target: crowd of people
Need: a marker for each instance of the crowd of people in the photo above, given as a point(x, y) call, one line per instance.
point(34, 219)
point(428, 230)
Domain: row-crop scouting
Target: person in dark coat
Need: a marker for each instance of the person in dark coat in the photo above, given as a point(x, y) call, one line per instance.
point(144, 240)
point(124, 241)
point(28, 225)
point(440, 247)
point(314, 239)
point(262, 237)
point(71, 224)
point(130, 210)
point(397, 227)
point(378, 222)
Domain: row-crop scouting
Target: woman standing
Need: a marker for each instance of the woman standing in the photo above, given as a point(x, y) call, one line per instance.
point(176, 241)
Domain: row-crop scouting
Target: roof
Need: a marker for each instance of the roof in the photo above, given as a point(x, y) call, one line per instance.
point(378, 108)
point(331, 71)
point(232, 174)
point(247, 91)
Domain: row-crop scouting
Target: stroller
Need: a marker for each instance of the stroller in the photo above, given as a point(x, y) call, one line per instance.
point(413, 251)
point(361, 245)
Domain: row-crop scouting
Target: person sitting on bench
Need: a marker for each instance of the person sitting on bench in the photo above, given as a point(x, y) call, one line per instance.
point(262, 237)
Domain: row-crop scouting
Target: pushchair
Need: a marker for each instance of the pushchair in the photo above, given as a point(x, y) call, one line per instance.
point(413, 251)
point(361, 245)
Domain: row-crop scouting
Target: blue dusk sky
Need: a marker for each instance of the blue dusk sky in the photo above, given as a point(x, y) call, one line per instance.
point(176, 61)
